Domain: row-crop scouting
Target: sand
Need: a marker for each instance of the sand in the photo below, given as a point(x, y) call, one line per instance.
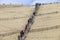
point(46, 23)
point(13, 20)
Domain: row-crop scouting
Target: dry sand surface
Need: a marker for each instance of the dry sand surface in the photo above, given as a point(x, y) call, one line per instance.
point(46, 24)
point(12, 20)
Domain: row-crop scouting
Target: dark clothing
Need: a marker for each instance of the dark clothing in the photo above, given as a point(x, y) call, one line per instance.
point(38, 4)
point(33, 13)
point(26, 27)
point(30, 20)
point(18, 37)
point(21, 33)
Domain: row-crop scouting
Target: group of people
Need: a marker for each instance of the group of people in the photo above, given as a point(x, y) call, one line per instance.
point(28, 25)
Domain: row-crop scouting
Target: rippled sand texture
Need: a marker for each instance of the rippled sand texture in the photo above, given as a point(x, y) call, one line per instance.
point(12, 20)
point(46, 23)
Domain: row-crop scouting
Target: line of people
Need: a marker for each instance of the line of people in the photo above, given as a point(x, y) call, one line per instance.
point(28, 25)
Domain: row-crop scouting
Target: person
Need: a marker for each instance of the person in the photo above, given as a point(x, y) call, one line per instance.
point(26, 27)
point(21, 33)
point(33, 13)
point(36, 6)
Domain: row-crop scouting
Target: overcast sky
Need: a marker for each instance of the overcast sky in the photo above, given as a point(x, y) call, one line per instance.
point(27, 2)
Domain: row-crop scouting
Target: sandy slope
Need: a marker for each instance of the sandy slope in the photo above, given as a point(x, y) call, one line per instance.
point(12, 20)
point(46, 24)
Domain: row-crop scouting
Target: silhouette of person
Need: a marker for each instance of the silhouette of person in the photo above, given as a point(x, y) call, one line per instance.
point(30, 20)
point(33, 13)
point(26, 27)
point(22, 33)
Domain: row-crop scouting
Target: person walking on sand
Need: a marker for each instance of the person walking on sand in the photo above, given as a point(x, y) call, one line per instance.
point(21, 35)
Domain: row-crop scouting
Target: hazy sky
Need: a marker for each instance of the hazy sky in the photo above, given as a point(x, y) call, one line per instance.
point(27, 2)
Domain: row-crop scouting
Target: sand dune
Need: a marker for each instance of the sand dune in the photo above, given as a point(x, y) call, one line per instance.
point(12, 20)
point(46, 24)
